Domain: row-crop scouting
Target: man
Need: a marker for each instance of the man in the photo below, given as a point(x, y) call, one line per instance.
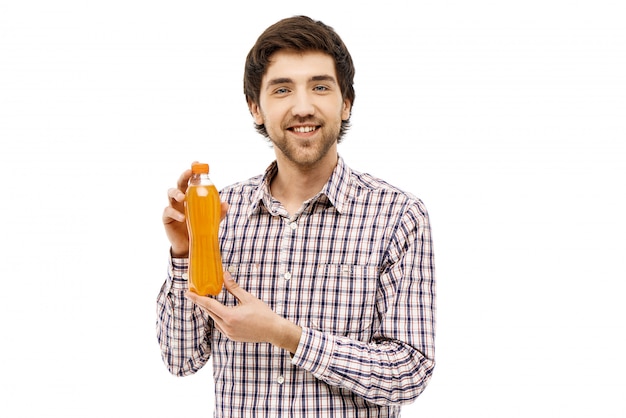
point(328, 307)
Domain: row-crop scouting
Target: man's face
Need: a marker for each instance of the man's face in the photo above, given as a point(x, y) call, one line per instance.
point(301, 106)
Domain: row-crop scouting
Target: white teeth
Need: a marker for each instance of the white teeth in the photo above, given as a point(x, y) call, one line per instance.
point(304, 129)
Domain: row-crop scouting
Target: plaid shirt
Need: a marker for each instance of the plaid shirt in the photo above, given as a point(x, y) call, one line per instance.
point(353, 267)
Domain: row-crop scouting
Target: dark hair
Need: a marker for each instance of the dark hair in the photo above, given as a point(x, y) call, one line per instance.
point(300, 33)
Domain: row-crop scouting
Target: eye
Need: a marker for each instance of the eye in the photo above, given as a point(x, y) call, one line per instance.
point(281, 91)
point(320, 88)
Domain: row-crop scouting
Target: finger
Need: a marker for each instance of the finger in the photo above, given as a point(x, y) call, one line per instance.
point(175, 195)
point(205, 304)
point(183, 180)
point(210, 305)
point(233, 287)
point(195, 298)
point(170, 215)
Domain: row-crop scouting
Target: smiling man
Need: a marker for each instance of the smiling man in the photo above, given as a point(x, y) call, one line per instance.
point(328, 307)
point(301, 107)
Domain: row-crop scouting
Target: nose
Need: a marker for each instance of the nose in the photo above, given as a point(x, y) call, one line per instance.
point(303, 105)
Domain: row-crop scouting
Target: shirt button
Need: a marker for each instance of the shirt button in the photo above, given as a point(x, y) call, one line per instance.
point(287, 276)
point(280, 380)
point(293, 225)
point(231, 269)
point(186, 276)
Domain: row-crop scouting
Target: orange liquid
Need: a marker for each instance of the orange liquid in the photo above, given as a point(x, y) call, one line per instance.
point(206, 275)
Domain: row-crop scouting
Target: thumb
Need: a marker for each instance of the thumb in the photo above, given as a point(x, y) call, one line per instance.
point(233, 287)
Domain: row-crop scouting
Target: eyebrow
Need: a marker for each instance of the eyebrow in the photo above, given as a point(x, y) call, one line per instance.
point(287, 80)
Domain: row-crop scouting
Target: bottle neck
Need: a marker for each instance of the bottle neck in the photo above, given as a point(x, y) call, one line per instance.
point(197, 179)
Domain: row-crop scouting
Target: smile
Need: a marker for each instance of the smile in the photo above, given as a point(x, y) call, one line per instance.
point(304, 129)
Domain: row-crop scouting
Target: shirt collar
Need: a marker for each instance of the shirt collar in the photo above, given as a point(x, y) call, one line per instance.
point(262, 192)
point(335, 189)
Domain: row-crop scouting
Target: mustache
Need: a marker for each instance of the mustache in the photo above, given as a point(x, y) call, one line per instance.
point(303, 121)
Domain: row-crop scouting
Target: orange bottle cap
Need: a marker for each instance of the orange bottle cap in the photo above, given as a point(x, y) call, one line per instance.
point(200, 168)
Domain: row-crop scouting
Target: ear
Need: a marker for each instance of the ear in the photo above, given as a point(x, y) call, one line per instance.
point(345, 112)
point(255, 111)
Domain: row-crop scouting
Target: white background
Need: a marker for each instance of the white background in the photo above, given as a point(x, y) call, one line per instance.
point(507, 118)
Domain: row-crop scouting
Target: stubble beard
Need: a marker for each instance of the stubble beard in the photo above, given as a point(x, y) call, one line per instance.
point(306, 152)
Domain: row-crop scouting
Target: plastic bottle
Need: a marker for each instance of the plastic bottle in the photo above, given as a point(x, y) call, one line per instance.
point(202, 211)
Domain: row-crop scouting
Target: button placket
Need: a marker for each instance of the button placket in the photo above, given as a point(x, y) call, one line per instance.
point(284, 275)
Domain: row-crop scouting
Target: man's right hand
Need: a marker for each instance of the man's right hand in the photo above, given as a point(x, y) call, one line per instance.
point(174, 217)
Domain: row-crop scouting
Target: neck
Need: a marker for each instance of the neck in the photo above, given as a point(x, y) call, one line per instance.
point(293, 184)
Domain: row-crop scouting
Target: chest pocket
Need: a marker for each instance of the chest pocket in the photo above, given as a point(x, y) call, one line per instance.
point(342, 299)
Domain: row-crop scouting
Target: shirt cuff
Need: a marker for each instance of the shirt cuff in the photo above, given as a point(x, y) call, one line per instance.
point(314, 352)
point(178, 273)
